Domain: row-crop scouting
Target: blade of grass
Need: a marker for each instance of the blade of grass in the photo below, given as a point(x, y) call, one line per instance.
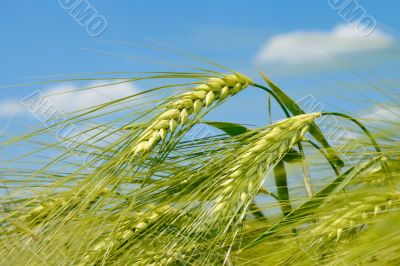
point(230, 129)
point(282, 188)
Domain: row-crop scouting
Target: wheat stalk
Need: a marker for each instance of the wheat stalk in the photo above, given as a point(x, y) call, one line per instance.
point(189, 104)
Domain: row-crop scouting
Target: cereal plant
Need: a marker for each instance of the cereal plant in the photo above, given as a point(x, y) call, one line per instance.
point(138, 191)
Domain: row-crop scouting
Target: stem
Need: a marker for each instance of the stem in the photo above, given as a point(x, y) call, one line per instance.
point(269, 109)
point(306, 173)
point(269, 193)
point(324, 154)
point(275, 97)
point(368, 133)
point(358, 123)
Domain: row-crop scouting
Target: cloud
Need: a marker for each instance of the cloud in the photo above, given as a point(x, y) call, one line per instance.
point(382, 113)
point(68, 98)
point(10, 108)
point(384, 121)
point(302, 46)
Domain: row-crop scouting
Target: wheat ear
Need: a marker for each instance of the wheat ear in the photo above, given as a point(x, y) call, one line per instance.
point(257, 157)
point(129, 229)
point(354, 213)
point(189, 104)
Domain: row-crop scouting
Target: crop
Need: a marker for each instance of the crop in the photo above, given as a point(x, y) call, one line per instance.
point(147, 195)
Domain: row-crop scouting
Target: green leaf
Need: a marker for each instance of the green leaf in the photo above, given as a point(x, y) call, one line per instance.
point(230, 129)
point(282, 188)
point(315, 131)
point(293, 156)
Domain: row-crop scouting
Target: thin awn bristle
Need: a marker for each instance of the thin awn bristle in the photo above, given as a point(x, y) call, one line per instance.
point(189, 104)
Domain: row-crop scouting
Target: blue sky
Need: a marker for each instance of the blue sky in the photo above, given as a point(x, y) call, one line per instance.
point(43, 39)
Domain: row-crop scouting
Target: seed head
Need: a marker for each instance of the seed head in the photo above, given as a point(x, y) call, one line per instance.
point(189, 104)
point(253, 159)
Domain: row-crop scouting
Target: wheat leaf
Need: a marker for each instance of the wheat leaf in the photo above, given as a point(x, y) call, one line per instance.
point(230, 129)
point(282, 188)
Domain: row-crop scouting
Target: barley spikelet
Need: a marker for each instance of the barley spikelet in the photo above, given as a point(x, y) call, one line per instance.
point(45, 209)
point(189, 104)
point(354, 214)
point(257, 157)
point(59, 206)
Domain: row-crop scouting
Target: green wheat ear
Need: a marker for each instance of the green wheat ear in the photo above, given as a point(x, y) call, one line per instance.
point(189, 104)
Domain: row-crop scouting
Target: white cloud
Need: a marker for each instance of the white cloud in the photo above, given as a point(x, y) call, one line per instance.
point(10, 108)
point(303, 46)
point(384, 120)
point(69, 98)
point(382, 113)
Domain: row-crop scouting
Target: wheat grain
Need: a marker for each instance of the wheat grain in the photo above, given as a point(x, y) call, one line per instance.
point(188, 104)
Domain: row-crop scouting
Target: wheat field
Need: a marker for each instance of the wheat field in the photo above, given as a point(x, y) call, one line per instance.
point(140, 192)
